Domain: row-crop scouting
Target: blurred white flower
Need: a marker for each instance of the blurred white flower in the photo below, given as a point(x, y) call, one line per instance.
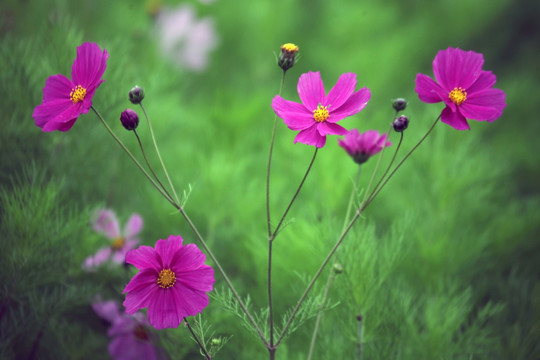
point(184, 38)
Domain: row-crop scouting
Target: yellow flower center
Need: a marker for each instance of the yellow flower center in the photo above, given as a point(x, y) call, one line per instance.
point(289, 48)
point(458, 96)
point(166, 278)
point(77, 94)
point(321, 114)
point(118, 243)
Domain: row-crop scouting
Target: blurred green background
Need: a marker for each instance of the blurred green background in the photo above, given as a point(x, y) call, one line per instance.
point(443, 265)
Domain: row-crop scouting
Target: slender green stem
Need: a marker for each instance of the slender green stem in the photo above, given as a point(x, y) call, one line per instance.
point(158, 154)
point(199, 237)
point(148, 164)
point(359, 337)
point(376, 191)
point(332, 275)
point(273, 236)
point(268, 220)
point(169, 199)
point(359, 211)
point(270, 162)
point(390, 164)
point(201, 345)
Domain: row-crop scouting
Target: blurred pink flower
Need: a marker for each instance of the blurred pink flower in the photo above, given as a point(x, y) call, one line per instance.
point(173, 282)
point(463, 86)
point(362, 146)
point(106, 223)
point(64, 100)
point(131, 338)
point(316, 116)
point(184, 38)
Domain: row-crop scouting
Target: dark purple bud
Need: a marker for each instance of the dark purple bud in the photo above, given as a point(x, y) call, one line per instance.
point(401, 123)
point(136, 95)
point(287, 58)
point(129, 119)
point(399, 104)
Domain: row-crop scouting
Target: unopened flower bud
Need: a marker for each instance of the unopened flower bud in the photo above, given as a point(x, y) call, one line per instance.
point(337, 268)
point(129, 119)
point(287, 58)
point(399, 104)
point(400, 123)
point(136, 95)
point(216, 342)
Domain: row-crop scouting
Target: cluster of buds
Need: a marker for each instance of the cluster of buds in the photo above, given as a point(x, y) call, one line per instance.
point(287, 58)
point(401, 122)
point(129, 118)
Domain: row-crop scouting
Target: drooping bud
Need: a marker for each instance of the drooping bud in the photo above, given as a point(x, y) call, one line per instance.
point(400, 123)
point(136, 95)
point(399, 104)
point(362, 146)
point(287, 58)
point(216, 342)
point(129, 119)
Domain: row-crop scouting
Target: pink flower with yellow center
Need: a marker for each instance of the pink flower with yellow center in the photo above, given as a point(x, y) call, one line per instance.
point(172, 282)
point(106, 223)
point(316, 116)
point(64, 100)
point(362, 146)
point(463, 86)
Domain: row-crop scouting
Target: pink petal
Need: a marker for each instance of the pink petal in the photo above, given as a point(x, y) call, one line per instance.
point(47, 112)
point(310, 136)
point(295, 115)
point(108, 310)
point(326, 128)
point(57, 87)
point(167, 249)
point(106, 222)
point(311, 90)
point(485, 105)
point(144, 257)
point(454, 119)
point(428, 90)
point(98, 259)
point(354, 104)
point(140, 291)
point(89, 66)
point(454, 67)
point(63, 126)
point(201, 279)
point(484, 81)
point(165, 310)
point(133, 225)
point(187, 258)
point(341, 91)
point(190, 302)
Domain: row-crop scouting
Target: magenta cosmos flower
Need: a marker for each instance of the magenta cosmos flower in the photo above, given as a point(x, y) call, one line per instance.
point(106, 223)
point(362, 146)
point(131, 337)
point(318, 113)
point(64, 99)
point(463, 86)
point(173, 282)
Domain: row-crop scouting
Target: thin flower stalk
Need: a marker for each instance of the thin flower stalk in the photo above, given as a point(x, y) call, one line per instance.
point(201, 345)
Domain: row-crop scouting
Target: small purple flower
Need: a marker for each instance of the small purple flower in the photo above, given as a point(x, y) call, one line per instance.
point(319, 112)
point(173, 282)
point(106, 223)
point(362, 146)
point(463, 86)
point(64, 100)
point(131, 338)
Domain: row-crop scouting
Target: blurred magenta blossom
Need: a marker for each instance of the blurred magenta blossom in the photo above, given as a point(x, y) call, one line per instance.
point(130, 334)
point(316, 116)
point(362, 146)
point(64, 100)
point(185, 39)
point(463, 86)
point(106, 223)
point(172, 282)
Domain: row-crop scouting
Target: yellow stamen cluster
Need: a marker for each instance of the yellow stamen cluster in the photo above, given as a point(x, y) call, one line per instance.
point(77, 94)
point(118, 243)
point(289, 48)
point(166, 278)
point(458, 96)
point(321, 114)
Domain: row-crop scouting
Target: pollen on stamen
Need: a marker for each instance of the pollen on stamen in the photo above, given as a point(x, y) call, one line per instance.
point(458, 96)
point(321, 114)
point(77, 94)
point(166, 278)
